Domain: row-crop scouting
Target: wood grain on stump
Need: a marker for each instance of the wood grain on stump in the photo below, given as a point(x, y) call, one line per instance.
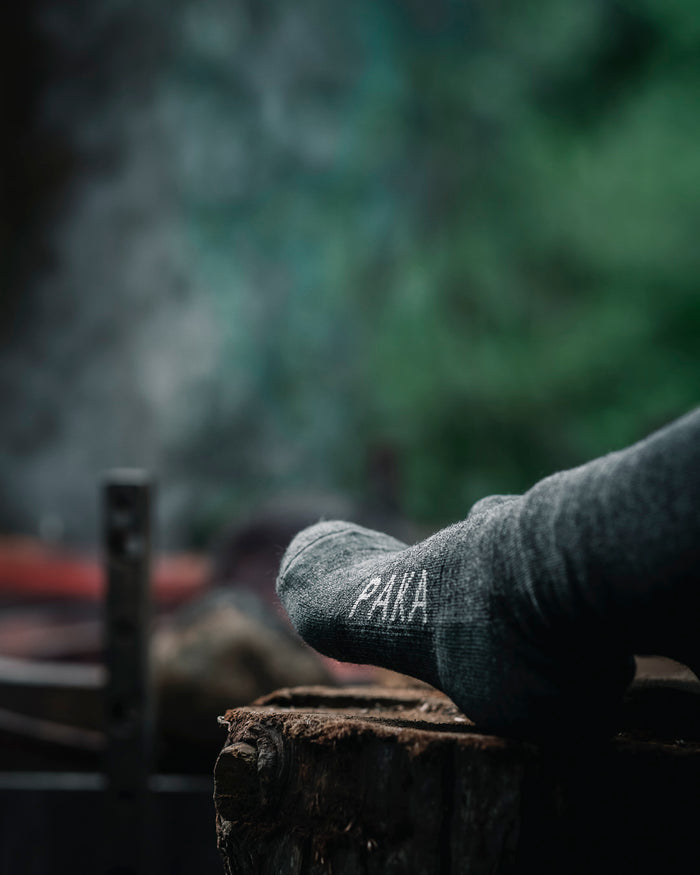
point(376, 780)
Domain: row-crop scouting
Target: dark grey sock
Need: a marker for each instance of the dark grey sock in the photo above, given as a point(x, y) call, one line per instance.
point(528, 612)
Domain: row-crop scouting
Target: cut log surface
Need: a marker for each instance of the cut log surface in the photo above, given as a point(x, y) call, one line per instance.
point(376, 780)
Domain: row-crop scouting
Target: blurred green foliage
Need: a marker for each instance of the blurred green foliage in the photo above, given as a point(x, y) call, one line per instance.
point(463, 231)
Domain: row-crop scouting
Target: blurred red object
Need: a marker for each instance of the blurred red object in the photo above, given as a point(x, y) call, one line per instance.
point(31, 569)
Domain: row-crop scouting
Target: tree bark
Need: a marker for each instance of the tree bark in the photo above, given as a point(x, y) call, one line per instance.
point(375, 780)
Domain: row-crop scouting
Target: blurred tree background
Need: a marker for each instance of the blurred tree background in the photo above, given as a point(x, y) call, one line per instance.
point(280, 240)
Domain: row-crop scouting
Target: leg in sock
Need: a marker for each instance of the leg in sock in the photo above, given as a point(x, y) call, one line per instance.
point(528, 612)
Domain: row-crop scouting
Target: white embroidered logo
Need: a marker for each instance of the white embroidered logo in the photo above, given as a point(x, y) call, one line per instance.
point(395, 607)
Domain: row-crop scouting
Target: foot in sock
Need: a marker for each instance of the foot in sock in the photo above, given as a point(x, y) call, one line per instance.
point(528, 612)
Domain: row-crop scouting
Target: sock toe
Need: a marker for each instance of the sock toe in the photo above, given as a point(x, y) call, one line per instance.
point(303, 541)
point(348, 594)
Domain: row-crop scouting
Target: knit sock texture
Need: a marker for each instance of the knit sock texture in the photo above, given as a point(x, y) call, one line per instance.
point(526, 613)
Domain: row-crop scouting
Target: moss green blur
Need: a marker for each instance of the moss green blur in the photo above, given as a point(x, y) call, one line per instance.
point(471, 237)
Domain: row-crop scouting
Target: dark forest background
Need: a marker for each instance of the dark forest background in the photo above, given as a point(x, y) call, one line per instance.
point(406, 253)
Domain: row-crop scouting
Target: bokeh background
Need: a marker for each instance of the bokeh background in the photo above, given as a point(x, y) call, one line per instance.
point(403, 253)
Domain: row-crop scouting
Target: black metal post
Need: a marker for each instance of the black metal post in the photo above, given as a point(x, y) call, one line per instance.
point(127, 542)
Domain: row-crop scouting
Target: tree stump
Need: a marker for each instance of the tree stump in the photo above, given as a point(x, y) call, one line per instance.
point(376, 780)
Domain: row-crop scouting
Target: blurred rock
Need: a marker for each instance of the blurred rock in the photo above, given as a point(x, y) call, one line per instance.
point(224, 650)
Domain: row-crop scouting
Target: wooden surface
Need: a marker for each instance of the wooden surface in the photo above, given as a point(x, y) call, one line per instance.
point(374, 780)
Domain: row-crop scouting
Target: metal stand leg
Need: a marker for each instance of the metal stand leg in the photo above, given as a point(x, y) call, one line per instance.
point(127, 509)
